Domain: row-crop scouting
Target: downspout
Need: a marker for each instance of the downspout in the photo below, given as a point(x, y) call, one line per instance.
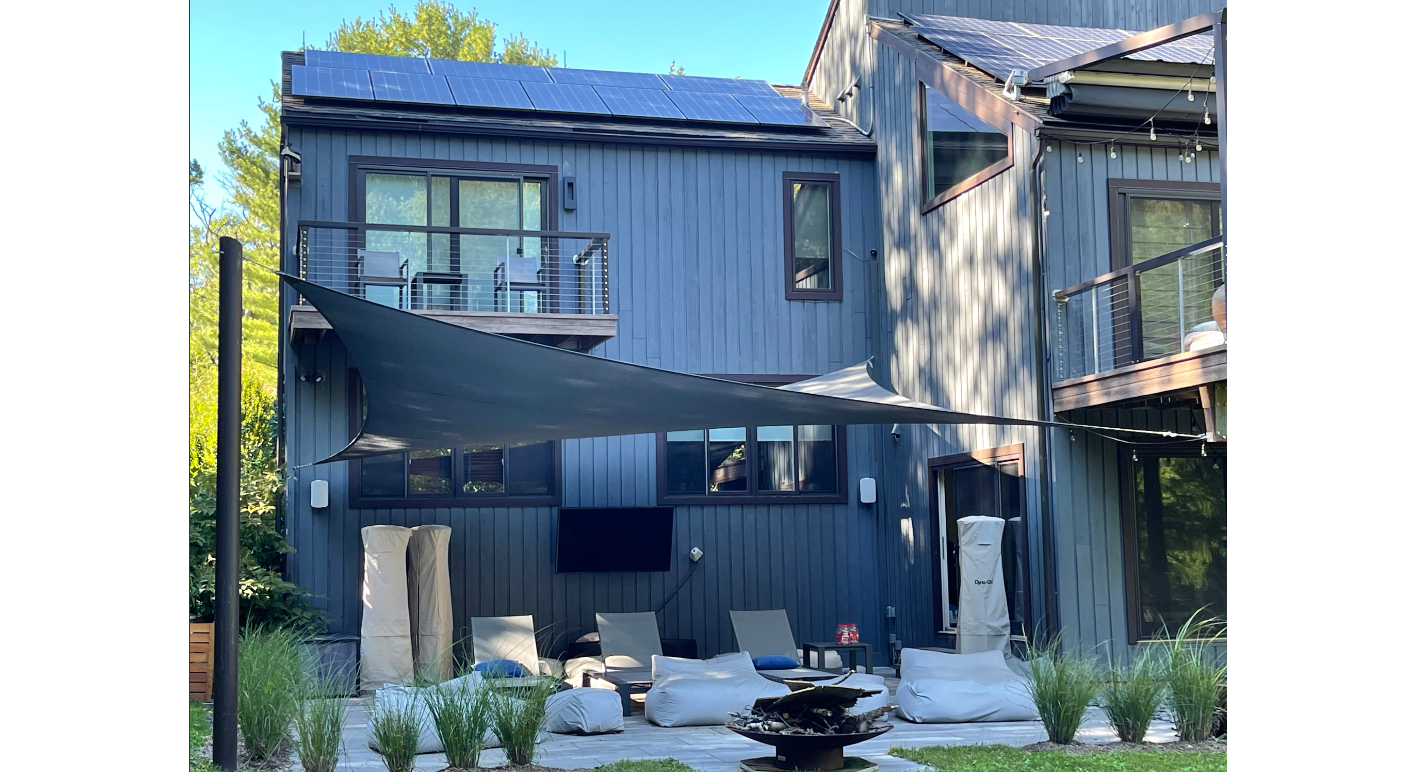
point(1040, 345)
point(281, 336)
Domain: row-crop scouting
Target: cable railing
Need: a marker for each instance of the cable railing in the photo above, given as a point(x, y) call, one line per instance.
point(430, 268)
point(1166, 305)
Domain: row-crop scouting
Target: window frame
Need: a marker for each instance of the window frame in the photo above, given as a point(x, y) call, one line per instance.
point(1120, 190)
point(986, 457)
point(929, 203)
point(752, 495)
point(456, 499)
point(360, 165)
point(1130, 534)
point(833, 181)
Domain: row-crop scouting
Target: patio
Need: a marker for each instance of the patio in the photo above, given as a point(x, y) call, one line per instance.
point(716, 749)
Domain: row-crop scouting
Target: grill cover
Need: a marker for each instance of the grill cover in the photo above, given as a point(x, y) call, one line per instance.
point(385, 634)
point(430, 600)
point(983, 601)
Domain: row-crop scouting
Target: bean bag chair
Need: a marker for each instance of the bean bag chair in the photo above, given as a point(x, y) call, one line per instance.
point(865, 681)
point(699, 692)
point(396, 696)
point(584, 711)
point(936, 687)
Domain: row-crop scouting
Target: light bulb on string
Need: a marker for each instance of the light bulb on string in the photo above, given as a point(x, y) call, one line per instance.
point(1113, 151)
point(1189, 158)
point(1198, 146)
point(1190, 94)
point(1207, 116)
point(1152, 125)
point(1049, 148)
point(1080, 159)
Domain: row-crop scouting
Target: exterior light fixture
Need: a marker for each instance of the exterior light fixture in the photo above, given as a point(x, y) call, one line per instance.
point(1113, 151)
point(1152, 125)
point(290, 165)
point(1080, 159)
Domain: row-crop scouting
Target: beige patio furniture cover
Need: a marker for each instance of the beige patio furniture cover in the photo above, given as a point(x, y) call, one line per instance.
point(628, 640)
point(430, 600)
point(983, 600)
point(385, 634)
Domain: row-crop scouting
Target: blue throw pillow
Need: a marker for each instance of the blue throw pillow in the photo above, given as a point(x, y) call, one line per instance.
point(505, 668)
point(775, 662)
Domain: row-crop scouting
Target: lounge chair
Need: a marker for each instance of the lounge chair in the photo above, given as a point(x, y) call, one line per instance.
point(765, 633)
point(628, 641)
point(936, 687)
point(701, 692)
point(511, 638)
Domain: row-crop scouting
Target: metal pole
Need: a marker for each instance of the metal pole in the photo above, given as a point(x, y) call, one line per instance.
point(1221, 92)
point(228, 505)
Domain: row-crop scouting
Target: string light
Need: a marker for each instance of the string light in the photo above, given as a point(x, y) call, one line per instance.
point(1080, 159)
point(1189, 158)
point(1152, 125)
point(1207, 115)
point(1190, 94)
point(1113, 151)
point(1198, 146)
point(1049, 148)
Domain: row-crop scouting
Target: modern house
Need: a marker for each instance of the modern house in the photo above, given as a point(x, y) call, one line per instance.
point(1003, 215)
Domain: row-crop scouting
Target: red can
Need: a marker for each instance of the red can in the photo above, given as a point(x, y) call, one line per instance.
point(847, 632)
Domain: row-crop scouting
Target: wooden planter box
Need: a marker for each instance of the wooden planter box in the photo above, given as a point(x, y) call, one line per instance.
point(199, 661)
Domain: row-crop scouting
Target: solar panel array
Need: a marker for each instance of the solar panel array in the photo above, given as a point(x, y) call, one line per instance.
point(999, 47)
point(339, 75)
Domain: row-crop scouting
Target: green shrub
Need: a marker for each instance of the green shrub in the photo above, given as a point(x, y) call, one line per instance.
point(519, 715)
point(1062, 684)
point(396, 725)
point(268, 673)
point(319, 721)
point(1197, 675)
point(1130, 696)
point(462, 713)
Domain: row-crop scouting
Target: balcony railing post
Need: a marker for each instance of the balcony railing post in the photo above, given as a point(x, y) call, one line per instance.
point(1133, 310)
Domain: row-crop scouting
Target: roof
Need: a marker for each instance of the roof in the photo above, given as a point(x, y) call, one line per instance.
point(430, 109)
point(999, 47)
point(1034, 102)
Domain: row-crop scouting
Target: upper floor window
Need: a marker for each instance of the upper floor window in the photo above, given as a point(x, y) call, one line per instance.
point(762, 463)
point(503, 474)
point(1151, 218)
point(960, 150)
point(812, 227)
point(456, 271)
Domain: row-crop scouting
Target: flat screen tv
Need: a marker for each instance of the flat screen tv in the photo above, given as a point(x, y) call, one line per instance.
point(614, 539)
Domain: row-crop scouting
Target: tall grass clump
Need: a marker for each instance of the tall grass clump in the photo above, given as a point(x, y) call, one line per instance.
point(1130, 696)
point(1197, 677)
point(268, 673)
point(1062, 684)
point(462, 712)
point(319, 721)
point(519, 715)
point(396, 725)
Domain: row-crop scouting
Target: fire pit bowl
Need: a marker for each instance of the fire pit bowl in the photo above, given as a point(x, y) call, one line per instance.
point(809, 728)
point(808, 751)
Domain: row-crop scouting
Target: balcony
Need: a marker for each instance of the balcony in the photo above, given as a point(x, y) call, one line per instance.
point(1154, 327)
point(549, 287)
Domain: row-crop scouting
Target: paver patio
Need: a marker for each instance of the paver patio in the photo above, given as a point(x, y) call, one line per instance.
point(716, 749)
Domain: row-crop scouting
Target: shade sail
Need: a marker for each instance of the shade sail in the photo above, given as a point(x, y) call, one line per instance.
point(429, 384)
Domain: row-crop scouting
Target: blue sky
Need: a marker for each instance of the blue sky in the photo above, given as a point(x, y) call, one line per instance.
point(235, 46)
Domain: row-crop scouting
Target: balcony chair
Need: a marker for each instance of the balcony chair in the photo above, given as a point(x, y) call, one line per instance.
point(518, 273)
point(383, 269)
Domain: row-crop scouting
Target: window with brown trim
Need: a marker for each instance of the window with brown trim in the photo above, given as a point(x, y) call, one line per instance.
point(811, 213)
point(986, 482)
point(753, 464)
point(493, 475)
point(959, 150)
point(1175, 530)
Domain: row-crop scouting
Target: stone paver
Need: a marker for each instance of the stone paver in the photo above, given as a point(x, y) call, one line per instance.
point(715, 749)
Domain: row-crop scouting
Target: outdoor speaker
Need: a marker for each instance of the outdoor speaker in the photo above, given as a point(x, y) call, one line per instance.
point(867, 490)
point(319, 494)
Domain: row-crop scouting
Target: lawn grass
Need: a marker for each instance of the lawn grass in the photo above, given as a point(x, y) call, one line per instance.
point(1003, 758)
point(199, 729)
point(646, 765)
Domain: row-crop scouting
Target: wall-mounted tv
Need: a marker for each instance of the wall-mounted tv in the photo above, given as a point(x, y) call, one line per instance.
point(614, 539)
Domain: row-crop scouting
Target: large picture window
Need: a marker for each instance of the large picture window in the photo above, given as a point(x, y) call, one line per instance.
point(959, 149)
point(1175, 535)
point(812, 228)
point(454, 271)
point(504, 474)
point(988, 482)
point(758, 463)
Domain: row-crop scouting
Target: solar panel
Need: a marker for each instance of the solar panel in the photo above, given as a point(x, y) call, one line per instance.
point(330, 82)
point(701, 84)
point(489, 71)
point(1046, 49)
point(565, 98)
point(780, 110)
point(697, 106)
point(378, 62)
point(489, 92)
point(606, 78)
point(411, 87)
point(648, 103)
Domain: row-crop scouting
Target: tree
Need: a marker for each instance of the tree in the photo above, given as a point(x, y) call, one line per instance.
point(675, 68)
point(251, 179)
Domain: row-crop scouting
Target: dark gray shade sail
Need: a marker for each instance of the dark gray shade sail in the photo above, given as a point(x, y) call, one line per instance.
point(429, 384)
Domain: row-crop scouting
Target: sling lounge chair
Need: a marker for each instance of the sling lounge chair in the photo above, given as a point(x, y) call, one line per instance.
point(511, 638)
point(763, 633)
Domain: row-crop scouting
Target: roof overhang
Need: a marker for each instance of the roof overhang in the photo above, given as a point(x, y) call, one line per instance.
point(1131, 45)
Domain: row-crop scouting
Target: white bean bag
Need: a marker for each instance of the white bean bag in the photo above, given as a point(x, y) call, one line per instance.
point(584, 711)
point(698, 692)
point(936, 687)
point(1203, 336)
